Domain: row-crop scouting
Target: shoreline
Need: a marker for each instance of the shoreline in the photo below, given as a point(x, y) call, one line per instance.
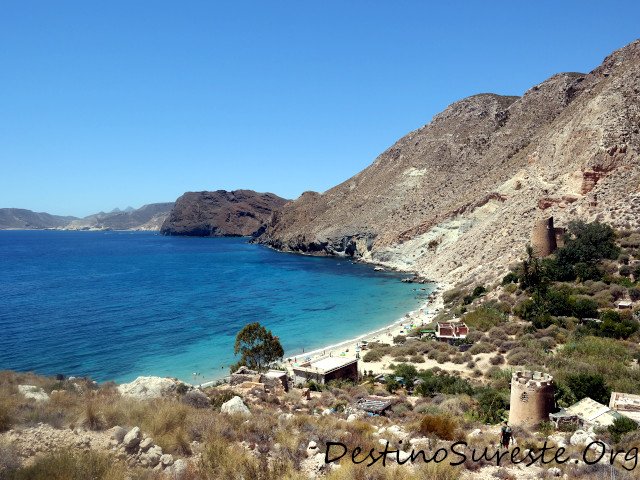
point(423, 314)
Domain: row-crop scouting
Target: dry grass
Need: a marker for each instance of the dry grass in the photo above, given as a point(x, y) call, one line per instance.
point(65, 465)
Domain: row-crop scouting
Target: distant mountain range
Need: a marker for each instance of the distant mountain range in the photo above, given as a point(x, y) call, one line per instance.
point(206, 214)
point(148, 217)
point(20, 219)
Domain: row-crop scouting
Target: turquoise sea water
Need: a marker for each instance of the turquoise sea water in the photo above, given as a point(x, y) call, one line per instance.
point(115, 305)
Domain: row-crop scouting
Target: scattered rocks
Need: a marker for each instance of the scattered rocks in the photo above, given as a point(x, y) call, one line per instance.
point(284, 417)
point(235, 406)
point(554, 472)
point(166, 460)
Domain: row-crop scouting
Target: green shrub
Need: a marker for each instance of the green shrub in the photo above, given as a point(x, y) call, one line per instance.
point(509, 278)
point(492, 405)
point(453, 296)
point(584, 307)
point(625, 271)
point(481, 347)
point(621, 426)
point(221, 396)
point(588, 385)
point(497, 360)
point(442, 382)
point(484, 318)
point(374, 355)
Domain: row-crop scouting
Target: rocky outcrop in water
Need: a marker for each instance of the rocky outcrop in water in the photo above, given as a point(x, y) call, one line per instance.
point(458, 197)
point(221, 213)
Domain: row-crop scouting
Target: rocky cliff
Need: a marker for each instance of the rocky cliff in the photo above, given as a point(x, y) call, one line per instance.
point(458, 198)
point(22, 219)
point(221, 213)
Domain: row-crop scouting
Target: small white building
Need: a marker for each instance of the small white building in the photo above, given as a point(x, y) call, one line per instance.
point(593, 413)
point(326, 369)
point(626, 404)
point(625, 305)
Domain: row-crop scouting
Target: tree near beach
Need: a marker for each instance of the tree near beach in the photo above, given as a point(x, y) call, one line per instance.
point(257, 347)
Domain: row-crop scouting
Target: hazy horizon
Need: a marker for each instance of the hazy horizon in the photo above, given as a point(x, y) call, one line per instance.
point(121, 104)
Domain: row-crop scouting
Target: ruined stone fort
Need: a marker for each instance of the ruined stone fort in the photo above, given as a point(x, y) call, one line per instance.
point(532, 398)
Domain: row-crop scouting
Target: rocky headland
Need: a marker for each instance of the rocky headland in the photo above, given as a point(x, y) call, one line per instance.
point(221, 213)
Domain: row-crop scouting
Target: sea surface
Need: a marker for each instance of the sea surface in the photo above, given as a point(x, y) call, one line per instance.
point(116, 305)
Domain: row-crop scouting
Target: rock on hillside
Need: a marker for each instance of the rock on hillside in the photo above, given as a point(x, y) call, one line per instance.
point(221, 213)
point(457, 198)
point(144, 388)
point(147, 217)
point(22, 219)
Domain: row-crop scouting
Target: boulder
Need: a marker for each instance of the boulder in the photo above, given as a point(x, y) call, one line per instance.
point(33, 392)
point(145, 388)
point(166, 460)
point(235, 406)
point(580, 437)
point(179, 469)
point(312, 449)
point(132, 438)
point(117, 433)
point(146, 444)
point(153, 455)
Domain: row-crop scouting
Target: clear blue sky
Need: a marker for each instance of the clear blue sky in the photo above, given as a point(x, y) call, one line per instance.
point(117, 103)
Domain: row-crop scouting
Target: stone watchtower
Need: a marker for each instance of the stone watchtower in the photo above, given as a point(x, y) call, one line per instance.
point(532, 398)
point(543, 238)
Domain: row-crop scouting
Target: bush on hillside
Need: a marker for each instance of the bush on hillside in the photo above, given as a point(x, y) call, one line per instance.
point(484, 318)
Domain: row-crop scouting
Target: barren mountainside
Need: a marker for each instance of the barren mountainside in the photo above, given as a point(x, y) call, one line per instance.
point(221, 213)
point(458, 197)
point(147, 217)
point(20, 218)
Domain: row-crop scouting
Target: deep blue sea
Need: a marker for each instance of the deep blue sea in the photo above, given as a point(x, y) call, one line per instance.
point(115, 305)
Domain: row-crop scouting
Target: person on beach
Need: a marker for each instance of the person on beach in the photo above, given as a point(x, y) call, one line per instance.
point(506, 435)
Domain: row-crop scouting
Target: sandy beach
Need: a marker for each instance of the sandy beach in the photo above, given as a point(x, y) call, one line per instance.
point(347, 349)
